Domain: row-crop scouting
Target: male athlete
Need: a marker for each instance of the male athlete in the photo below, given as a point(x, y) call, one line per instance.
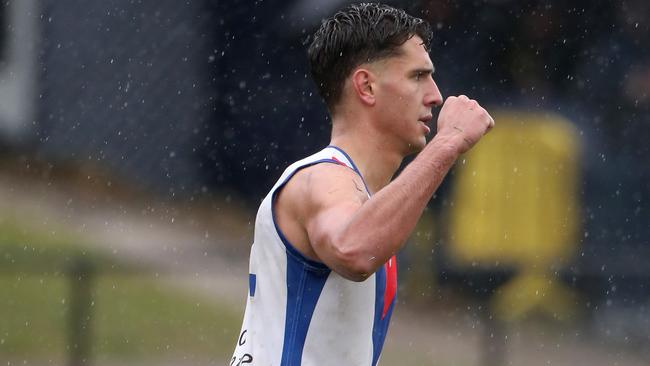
point(322, 267)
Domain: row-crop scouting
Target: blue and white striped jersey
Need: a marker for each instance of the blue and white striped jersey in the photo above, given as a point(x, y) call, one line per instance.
point(298, 311)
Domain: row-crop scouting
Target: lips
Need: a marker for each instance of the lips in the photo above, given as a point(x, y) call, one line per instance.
point(425, 120)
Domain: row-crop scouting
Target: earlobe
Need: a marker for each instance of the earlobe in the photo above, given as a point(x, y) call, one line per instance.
point(362, 81)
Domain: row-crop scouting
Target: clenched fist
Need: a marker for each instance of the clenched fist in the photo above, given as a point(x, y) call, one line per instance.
point(463, 121)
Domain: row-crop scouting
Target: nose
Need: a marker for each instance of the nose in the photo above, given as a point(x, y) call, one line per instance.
point(433, 97)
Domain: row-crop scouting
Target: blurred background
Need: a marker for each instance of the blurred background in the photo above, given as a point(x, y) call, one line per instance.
point(137, 138)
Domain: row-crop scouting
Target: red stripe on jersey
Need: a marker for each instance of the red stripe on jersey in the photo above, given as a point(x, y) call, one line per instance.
point(391, 284)
point(338, 161)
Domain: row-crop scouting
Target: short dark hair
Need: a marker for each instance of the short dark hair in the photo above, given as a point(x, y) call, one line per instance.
point(357, 34)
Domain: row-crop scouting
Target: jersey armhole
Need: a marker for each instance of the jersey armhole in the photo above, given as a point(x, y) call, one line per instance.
point(291, 249)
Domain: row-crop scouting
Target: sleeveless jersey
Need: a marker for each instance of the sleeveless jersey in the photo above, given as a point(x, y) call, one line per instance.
point(298, 311)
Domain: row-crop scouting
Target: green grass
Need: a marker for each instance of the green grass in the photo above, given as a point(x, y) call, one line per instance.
point(133, 316)
point(141, 317)
point(33, 320)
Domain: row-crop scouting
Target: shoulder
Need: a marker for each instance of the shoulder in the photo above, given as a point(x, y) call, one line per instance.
point(331, 180)
point(323, 184)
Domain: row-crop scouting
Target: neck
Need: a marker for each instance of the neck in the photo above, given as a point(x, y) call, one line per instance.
point(376, 163)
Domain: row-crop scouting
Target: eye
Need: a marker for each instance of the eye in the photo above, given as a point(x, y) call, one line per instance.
point(419, 75)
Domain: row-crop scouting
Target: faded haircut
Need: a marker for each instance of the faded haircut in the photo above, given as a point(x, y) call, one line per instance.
point(358, 34)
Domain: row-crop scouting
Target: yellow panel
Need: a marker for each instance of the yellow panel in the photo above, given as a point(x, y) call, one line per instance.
point(515, 193)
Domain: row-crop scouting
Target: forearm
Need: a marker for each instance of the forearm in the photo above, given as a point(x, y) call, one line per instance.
point(384, 222)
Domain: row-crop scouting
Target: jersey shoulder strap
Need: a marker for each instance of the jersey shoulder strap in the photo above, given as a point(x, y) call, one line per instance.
point(330, 154)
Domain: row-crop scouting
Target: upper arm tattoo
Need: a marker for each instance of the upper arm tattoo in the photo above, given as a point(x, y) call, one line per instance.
point(357, 186)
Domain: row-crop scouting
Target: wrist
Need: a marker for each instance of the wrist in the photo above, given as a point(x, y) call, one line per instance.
point(453, 143)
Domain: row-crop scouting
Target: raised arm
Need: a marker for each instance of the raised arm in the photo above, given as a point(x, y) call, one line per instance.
point(354, 235)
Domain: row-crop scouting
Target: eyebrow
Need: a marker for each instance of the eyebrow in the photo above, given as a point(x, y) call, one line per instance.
point(424, 70)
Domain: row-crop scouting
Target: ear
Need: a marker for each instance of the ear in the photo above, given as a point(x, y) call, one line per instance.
point(363, 82)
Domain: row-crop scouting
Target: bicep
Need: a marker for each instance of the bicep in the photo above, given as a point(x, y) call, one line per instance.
point(334, 198)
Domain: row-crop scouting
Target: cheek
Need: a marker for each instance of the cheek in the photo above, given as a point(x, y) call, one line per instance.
point(398, 103)
point(400, 99)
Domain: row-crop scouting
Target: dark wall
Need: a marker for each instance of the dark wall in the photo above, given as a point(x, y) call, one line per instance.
point(179, 97)
point(190, 97)
point(123, 85)
point(269, 114)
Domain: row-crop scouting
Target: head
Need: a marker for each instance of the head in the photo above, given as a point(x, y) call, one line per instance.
point(376, 57)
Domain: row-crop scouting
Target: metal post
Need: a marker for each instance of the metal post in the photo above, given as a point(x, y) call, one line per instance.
point(79, 316)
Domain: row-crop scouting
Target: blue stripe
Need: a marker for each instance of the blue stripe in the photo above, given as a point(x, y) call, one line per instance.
point(305, 281)
point(304, 286)
point(252, 282)
point(380, 326)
